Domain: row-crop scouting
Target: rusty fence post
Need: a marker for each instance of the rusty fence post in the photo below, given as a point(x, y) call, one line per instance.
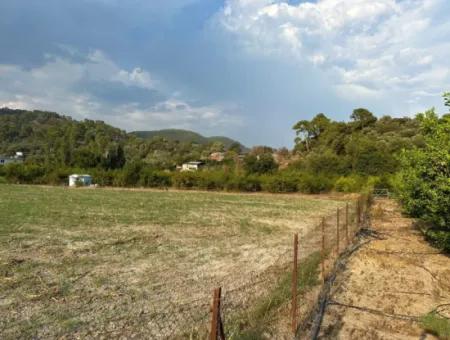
point(294, 286)
point(358, 213)
point(337, 231)
point(323, 250)
point(346, 225)
point(217, 331)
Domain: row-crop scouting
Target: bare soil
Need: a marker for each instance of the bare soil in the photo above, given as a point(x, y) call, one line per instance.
point(395, 278)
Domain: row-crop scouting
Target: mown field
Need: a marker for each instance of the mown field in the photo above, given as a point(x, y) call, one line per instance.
point(74, 261)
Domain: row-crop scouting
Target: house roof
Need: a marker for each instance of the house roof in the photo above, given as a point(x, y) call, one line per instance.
point(194, 163)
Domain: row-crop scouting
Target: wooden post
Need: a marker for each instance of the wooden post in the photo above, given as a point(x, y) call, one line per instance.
point(337, 231)
point(323, 250)
point(215, 319)
point(294, 286)
point(346, 224)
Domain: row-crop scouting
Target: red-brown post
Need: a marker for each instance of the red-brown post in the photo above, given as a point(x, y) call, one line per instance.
point(346, 224)
point(294, 286)
point(323, 249)
point(358, 213)
point(215, 318)
point(337, 231)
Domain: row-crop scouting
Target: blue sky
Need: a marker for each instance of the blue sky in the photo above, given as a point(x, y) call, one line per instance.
point(248, 69)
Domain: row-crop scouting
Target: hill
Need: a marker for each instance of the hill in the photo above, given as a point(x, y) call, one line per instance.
point(59, 141)
point(184, 136)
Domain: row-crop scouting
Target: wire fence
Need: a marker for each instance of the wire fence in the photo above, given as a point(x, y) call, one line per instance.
point(276, 303)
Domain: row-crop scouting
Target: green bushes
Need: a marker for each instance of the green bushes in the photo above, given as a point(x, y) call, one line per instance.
point(281, 182)
point(142, 175)
point(24, 173)
point(314, 184)
point(155, 179)
point(423, 184)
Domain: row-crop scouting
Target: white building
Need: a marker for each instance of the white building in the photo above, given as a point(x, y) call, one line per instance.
point(17, 158)
point(80, 180)
point(191, 166)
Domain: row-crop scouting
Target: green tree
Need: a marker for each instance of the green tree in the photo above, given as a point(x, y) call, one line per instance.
point(362, 118)
point(259, 164)
point(424, 180)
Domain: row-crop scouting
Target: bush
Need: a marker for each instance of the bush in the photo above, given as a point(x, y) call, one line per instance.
point(249, 183)
point(105, 178)
point(423, 183)
point(24, 173)
point(353, 183)
point(58, 176)
point(260, 164)
point(315, 184)
point(186, 180)
point(212, 180)
point(282, 182)
point(155, 179)
point(439, 238)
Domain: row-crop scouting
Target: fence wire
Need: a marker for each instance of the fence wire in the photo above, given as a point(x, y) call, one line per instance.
point(261, 306)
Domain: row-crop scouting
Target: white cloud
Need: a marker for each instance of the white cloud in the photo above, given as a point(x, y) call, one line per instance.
point(374, 49)
point(89, 89)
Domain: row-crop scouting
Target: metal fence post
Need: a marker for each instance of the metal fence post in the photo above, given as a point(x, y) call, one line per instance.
point(337, 231)
point(346, 224)
point(294, 286)
point(358, 213)
point(323, 249)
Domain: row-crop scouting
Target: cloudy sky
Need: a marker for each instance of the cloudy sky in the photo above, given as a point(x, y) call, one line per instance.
point(248, 69)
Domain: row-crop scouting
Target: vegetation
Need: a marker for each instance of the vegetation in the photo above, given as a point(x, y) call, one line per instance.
point(436, 325)
point(257, 321)
point(328, 155)
point(424, 180)
point(187, 136)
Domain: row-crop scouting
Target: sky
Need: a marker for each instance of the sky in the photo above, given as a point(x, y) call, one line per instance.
point(247, 69)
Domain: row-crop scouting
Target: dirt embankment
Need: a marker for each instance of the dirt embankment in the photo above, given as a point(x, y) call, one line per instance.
point(389, 283)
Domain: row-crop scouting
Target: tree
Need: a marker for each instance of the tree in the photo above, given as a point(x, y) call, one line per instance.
point(424, 180)
point(259, 164)
point(362, 118)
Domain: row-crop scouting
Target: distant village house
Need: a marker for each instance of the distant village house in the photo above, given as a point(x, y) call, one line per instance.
point(192, 166)
point(217, 156)
point(17, 158)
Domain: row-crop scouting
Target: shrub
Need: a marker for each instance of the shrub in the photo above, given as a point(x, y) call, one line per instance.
point(314, 184)
point(212, 180)
point(24, 173)
point(248, 183)
point(186, 180)
point(353, 183)
point(282, 182)
point(260, 164)
point(155, 179)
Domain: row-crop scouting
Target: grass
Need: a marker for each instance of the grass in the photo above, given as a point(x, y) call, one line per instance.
point(436, 325)
point(256, 322)
point(88, 262)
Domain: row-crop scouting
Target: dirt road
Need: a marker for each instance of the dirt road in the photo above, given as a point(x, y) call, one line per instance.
point(389, 283)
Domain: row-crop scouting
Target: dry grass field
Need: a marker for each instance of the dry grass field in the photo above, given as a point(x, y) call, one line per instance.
point(76, 262)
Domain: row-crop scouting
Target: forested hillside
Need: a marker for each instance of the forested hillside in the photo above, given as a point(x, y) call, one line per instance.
point(186, 136)
point(344, 156)
point(50, 139)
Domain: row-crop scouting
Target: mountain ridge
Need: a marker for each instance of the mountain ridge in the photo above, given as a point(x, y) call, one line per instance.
point(183, 135)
